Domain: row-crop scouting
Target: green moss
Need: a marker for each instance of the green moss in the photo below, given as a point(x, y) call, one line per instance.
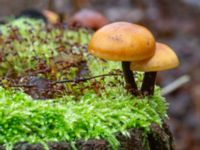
point(22, 23)
point(27, 47)
point(23, 119)
point(97, 113)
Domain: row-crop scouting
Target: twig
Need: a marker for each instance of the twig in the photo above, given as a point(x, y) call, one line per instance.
point(23, 85)
point(64, 81)
point(175, 84)
point(85, 79)
point(19, 85)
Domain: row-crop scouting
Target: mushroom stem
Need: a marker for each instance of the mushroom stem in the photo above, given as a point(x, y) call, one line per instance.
point(129, 78)
point(148, 83)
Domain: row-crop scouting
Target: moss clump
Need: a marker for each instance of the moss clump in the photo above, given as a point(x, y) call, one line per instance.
point(96, 109)
point(29, 45)
point(23, 119)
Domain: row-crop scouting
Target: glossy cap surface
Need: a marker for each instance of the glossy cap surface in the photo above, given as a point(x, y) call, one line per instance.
point(122, 41)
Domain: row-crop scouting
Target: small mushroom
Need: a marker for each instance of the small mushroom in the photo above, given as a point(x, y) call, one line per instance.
point(51, 16)
point(89, 19)
point(46, 15)
point(126, 42)
point(163, 59)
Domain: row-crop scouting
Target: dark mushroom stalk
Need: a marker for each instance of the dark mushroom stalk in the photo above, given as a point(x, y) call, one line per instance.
point(148, 83)
point(129, 78)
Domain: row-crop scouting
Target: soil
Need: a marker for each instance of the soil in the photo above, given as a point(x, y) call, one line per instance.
point(158, 139)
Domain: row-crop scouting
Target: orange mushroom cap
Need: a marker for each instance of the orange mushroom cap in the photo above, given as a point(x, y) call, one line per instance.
point(52, 17)
point(163, 59)
point(88, 18)
point(122, 41)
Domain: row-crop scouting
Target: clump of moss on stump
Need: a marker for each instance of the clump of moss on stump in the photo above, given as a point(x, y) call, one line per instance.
point(96, 114)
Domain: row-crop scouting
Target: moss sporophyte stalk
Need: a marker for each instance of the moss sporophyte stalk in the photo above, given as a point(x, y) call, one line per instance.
point(37, 54)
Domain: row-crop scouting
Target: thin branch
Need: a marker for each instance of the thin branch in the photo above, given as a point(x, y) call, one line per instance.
point(65, 81)
point(85, 79)
point(19, 85)
point(175, 84)
point(23, 85)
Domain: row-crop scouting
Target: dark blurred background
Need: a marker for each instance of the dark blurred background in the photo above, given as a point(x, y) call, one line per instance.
point(174, 22)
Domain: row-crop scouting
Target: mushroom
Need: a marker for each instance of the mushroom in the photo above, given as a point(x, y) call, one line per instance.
point(51, 16)
point(88, 18)
point(163, 59)
point(125, 42)
point(46, 15)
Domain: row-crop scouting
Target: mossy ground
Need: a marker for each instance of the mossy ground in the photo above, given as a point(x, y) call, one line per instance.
point(95, 109)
